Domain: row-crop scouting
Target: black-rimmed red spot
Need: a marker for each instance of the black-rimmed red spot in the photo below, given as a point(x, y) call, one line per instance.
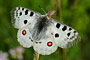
point(49, 43)
point(24, 32)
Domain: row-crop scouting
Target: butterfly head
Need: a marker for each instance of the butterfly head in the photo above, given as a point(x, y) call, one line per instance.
point(50, 14)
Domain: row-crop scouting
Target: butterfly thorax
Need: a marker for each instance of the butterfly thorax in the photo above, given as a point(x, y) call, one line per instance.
point(40, 28)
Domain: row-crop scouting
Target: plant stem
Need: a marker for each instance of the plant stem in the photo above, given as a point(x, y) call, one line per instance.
point(63, 51)
point(36, 56)
point(64, 55)
point(59, 10)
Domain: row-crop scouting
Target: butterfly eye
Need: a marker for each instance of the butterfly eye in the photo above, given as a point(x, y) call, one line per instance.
point(25, 21)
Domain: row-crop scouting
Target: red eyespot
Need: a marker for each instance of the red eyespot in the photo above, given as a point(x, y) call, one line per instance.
point(49, 43)
point(24, 32)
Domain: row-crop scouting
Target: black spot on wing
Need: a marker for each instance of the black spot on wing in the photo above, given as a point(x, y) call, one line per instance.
point(58, 25)
point(20, 14)
point(68, 34)
point(72, 37)
point(25, 21)
point(56, 35)
point(31, 39)
point(22, 8)
point(70, 28)
point(39, 42)
point(26, 12)
point(74, 31)
point(64, 28)
point(16, 13)
point(18, 8)
point(31, 14)
point(36, 42)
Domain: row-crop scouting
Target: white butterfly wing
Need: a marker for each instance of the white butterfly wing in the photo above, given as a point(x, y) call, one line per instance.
point(23, 16)
point(24, 37)
point(64, 35)
point(45, 46)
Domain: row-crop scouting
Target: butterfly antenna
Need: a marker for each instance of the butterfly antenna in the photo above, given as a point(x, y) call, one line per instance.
point(42, 9)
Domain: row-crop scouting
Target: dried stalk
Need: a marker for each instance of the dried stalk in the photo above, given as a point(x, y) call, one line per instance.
point(63, 51)
point(36, 56)
point(59, 9)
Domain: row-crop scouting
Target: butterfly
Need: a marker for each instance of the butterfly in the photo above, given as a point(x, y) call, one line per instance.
point(41, 32)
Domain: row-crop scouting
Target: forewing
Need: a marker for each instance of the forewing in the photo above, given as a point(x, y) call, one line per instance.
point(64, 35)
point(22, 16)
point(24, 37)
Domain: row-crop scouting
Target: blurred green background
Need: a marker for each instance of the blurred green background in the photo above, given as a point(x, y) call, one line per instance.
point(75, 13)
